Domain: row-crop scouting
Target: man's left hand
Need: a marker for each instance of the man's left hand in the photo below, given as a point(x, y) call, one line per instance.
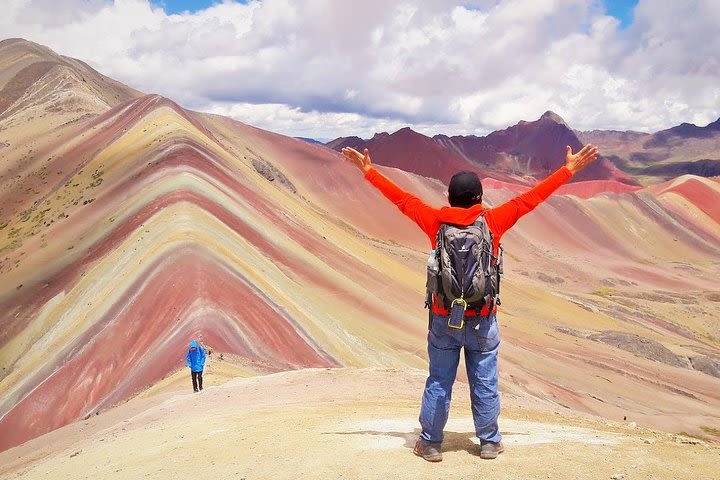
point(580, 160)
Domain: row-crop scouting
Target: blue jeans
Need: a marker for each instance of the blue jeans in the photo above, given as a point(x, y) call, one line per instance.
point(481, 340)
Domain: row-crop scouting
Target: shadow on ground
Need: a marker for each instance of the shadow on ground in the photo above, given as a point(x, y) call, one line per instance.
point(453, 442)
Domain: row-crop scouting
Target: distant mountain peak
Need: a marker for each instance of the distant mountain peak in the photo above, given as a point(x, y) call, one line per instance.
point(27, 46)
point(407, 132)
point(402, 132)
point(550, 115)
point(10, 41)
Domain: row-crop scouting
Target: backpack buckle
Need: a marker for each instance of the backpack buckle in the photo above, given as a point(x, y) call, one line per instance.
point(457, 313)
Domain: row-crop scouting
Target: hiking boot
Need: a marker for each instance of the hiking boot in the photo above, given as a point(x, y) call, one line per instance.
point(428, 451)
point(490, 450)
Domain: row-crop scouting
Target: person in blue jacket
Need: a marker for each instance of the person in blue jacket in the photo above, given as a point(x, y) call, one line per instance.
point(195, 359)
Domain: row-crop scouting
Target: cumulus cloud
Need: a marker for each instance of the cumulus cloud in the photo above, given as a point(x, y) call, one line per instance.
point(326, 68)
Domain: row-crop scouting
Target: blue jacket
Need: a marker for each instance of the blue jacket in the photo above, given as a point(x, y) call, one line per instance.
point(195, 358)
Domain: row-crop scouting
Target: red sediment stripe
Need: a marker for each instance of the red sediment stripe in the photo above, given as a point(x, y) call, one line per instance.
point(114, 123)
point(592, 188)
point(675, 225)
point(16, 87)
point(700, 195)
point(148, 329)
point(561, 219)
point(191, 157)
point(705, 230)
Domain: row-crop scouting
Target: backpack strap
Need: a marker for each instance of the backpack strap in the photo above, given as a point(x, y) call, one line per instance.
point(494, 300)
point(498, 272)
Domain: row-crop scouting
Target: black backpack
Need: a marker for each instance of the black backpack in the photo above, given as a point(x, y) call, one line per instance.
point(462, 268)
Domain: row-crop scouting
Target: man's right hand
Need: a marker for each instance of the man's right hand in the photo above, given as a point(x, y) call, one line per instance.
point(578, 161)
point(360, 160)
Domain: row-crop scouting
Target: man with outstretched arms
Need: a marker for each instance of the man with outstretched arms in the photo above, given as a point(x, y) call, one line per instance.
point(477, 331)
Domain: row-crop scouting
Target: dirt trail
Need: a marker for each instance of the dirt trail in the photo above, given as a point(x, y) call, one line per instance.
point(341, 423)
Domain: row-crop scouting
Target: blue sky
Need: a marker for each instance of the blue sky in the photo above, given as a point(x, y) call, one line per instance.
point(620, 9)
point(178, 6)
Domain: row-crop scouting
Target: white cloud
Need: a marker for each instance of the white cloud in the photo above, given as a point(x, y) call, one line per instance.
point(313, 124)
point(338, 67)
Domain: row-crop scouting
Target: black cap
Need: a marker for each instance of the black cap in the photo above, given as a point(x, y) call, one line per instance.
point(465, 190)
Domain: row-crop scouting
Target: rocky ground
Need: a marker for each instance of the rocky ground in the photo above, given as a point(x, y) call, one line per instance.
point(340, 423)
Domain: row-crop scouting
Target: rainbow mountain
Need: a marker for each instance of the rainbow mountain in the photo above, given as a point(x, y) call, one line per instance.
point(130, 225)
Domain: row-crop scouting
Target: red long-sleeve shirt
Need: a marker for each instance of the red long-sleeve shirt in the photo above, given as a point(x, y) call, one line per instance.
point(499, 219)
